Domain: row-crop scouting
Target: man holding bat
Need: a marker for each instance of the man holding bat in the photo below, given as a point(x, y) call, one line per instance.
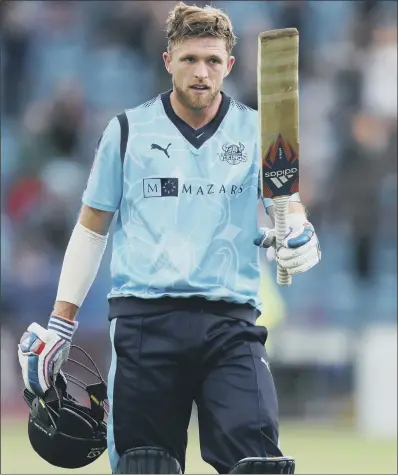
point(183, 173)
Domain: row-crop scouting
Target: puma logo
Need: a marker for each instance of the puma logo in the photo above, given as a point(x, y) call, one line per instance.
point(155, 146)
point(266, 364)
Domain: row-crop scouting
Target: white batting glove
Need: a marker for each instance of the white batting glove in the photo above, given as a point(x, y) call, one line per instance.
point(42, 352)
point(300, 250)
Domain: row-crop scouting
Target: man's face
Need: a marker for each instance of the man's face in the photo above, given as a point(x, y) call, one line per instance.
point(198, 67)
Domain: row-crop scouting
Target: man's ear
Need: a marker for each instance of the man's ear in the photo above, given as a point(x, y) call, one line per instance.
point(230, 63)
point(167, 62)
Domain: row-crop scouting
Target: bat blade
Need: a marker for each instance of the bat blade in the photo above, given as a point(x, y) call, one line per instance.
point(278, 105)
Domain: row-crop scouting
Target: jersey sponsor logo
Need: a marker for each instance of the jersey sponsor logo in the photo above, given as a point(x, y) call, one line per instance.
point(165, 187)
point(160, 187)
point(233, 154)
point(155, 146)
point(211, 189)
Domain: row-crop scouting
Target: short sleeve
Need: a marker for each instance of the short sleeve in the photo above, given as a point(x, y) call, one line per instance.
point(105, 184)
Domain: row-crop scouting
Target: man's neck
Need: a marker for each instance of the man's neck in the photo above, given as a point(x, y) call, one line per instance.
point(196, 119)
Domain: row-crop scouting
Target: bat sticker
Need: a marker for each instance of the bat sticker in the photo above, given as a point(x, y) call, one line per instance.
point(280, 169)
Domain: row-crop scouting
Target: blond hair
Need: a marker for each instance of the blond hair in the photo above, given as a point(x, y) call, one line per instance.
point(186, 21)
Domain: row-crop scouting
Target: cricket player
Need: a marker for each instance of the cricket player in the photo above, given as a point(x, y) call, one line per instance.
point(181, 173)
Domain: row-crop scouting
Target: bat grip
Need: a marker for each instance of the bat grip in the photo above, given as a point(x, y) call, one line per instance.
point(280, 213)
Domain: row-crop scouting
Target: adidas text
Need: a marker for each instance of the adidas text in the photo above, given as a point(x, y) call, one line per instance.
point(287, 171)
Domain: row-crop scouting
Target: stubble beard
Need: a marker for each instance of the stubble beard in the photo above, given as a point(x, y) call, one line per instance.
point(196, 102)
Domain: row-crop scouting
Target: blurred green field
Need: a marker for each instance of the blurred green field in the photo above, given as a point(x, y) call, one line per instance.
point(317, 449)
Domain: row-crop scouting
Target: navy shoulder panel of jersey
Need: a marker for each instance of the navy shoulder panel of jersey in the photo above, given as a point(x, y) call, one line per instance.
point(245, 115)
point(240, 106)
point(144, 111)
point(242, 110)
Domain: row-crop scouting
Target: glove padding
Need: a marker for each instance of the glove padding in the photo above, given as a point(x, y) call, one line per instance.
point(41, 353)
point(300, 250)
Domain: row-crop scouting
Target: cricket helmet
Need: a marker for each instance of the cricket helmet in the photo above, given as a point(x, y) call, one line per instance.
point(68, 431)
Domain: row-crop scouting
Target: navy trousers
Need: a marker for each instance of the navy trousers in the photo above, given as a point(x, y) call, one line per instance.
point(161, 363)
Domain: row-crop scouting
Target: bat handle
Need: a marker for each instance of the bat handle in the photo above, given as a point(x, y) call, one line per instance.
point(280, 209)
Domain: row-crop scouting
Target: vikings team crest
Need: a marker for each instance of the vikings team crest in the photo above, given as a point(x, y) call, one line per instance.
point(233, 154)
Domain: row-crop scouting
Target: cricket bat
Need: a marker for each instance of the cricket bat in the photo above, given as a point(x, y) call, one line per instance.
point(278, 106)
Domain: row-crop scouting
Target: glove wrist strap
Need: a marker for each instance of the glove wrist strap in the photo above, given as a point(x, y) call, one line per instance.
point(63, 327)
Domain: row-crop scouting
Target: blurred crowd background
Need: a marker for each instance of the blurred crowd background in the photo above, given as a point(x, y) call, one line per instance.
point(67, 67)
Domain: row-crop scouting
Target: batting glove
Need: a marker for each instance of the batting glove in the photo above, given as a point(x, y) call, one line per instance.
point(42, 352)
point(300, 250)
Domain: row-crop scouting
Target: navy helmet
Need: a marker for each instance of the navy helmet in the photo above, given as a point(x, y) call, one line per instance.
point(64, 430)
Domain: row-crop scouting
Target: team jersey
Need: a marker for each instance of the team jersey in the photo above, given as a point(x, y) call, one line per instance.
point(186, 201)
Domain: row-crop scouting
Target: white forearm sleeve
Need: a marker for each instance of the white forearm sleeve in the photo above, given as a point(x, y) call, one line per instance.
point(80, 266)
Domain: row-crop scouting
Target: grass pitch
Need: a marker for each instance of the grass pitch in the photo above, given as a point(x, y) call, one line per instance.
point(317, 449)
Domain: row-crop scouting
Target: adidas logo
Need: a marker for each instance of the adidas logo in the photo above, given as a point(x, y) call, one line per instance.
point(279, 182)
point(280, 177)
